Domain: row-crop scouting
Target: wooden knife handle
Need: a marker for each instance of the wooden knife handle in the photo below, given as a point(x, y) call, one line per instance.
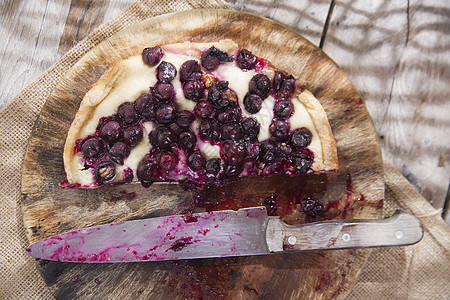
point(399, 230)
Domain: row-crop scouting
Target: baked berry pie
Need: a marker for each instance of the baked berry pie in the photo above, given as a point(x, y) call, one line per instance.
point(198, 114)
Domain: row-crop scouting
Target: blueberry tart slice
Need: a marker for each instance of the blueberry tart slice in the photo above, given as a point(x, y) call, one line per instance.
point(197, 114)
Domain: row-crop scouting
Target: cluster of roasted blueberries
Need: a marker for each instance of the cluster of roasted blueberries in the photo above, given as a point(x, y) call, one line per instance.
point(220, 123)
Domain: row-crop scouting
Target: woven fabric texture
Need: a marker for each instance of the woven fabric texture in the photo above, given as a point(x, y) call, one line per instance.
point(421, 271)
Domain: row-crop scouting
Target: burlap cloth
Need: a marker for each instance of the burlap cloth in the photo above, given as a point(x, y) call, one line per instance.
point(416, 272)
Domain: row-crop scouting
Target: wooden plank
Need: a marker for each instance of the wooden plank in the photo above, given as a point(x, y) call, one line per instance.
point(114, 8)
point(83, 17)
point(30, 34)
point(416, 128)
point(43, 31)
point(396, 53)
point(305, 17)
point(366, 38)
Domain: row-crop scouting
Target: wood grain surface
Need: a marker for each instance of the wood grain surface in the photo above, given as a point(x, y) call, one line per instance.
point(356, 191)
point(395, 52)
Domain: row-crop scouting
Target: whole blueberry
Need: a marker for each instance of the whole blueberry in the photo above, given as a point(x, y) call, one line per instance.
point(163, 91)
point(287, 87)
point(301, 162)
point(277, 81)
point(167, 161)
point(152, 56)
point(148, 171)
point(209, 130)
point(283, 109)
point(252, 103)
point(127, 113)
point(252, 151)
point(212, 165)
point(300, 138)
point(283, 85)
point(187, 140)
point(190, 71)
point(210, 62)
point(203, 109)
point(132, 135)
point(93, 148)
point(194, 90)
point(250, 129)
point(279, 130)
point(110, 131)
point(144, 105)
point(118, 152)
point(268, 152)
point(166, 72)
point(233, 152)
point(196, 161)
point(165, 113)
point(162, 137)
point(229, 115)
point(184, 118)
point(231, 131)
point(215, 95)
point(260, 85)
point(283, 149)
point(175, 128)
point(246, 60)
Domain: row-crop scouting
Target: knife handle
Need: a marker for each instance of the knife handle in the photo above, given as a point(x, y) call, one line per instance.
point(399, 230)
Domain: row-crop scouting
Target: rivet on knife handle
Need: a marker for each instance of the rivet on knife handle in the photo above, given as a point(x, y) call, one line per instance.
point(400, 229)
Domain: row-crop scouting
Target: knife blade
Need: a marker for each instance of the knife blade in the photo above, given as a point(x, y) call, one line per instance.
point(248, 231)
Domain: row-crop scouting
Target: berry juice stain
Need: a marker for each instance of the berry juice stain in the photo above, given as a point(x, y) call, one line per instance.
point(203, 232)
point(271, 204)
point(189, 219)
point(130, 196)
point(122, 195)
point(296, 199)
point(281, 195)
point(181, 243)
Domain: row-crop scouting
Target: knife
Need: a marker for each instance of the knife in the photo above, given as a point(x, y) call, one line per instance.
point(248, 231)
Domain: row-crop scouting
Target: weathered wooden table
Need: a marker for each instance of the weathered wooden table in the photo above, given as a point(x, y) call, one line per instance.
point(396, 52)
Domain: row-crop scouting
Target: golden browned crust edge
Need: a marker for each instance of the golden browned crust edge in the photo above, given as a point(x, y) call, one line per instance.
point(93, 97)
point(329, 159)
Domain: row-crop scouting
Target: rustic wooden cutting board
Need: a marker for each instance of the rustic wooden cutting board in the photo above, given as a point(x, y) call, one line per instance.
point(355, 191)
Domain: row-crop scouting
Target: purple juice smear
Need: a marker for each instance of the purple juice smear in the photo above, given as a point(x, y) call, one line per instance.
point(189, 219)
point(181, 243)
point(203, 232)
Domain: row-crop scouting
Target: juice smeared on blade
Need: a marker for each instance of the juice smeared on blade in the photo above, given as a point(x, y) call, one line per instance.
point(204, 235)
